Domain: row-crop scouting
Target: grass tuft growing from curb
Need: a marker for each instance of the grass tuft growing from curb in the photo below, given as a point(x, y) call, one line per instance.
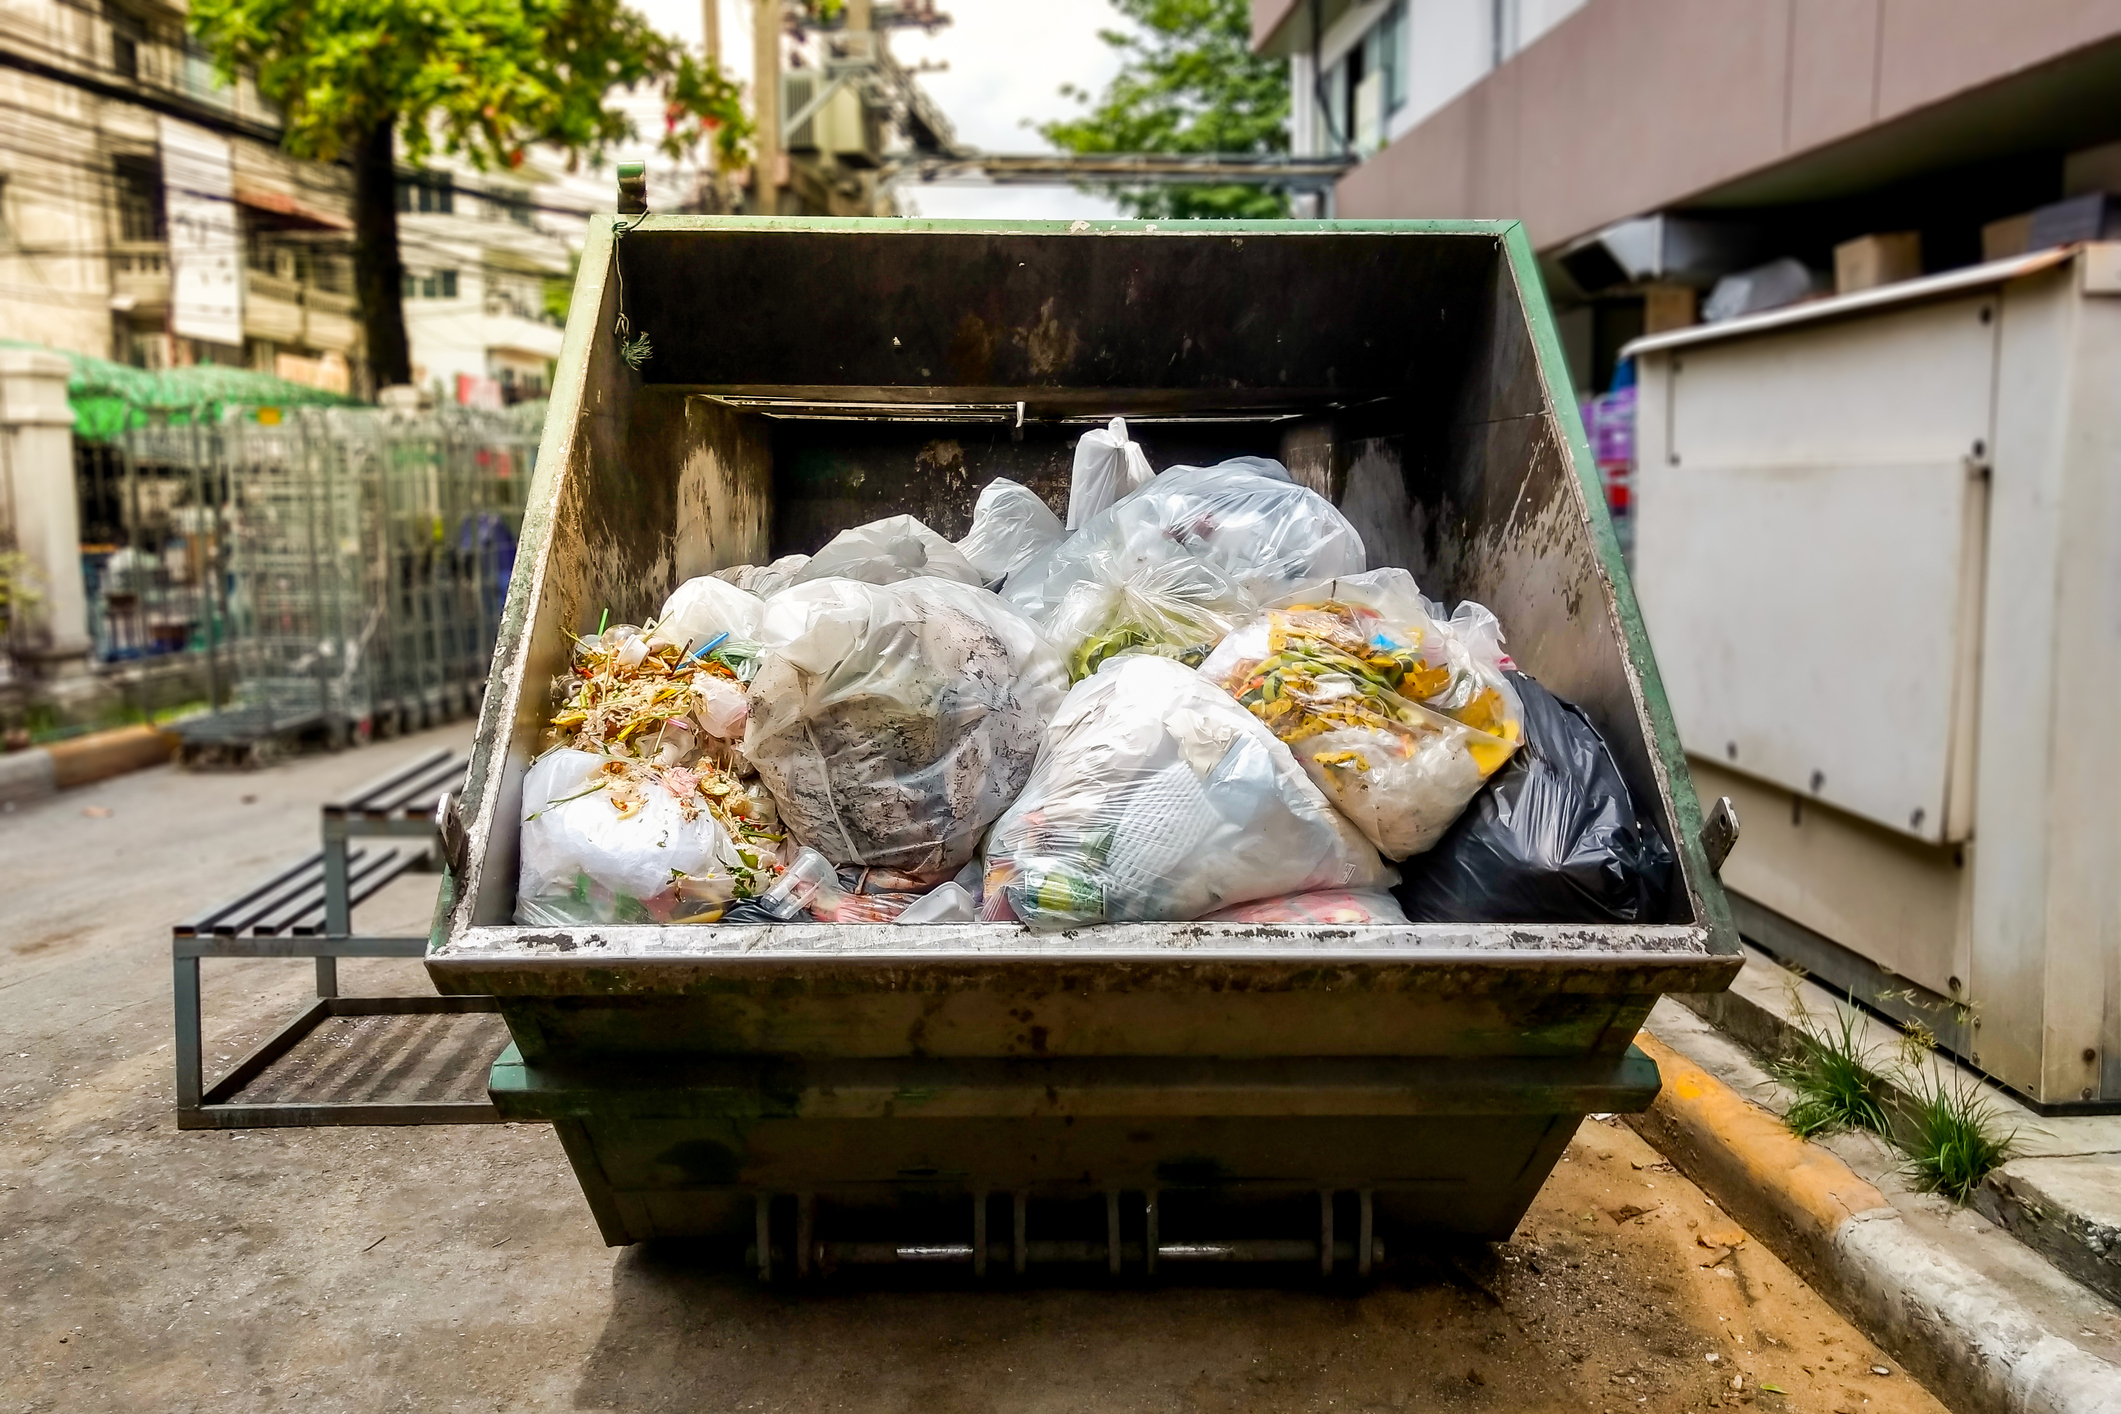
point(1836, 1085)
point(1952, 1144)
point(1943, 1126)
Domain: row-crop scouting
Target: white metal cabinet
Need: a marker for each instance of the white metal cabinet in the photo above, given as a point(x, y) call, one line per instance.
point(1878, 548)
point(1817, 499)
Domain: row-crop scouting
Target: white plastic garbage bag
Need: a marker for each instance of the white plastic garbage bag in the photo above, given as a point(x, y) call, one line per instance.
point(763, 580)
point(885, 552)
point(704, 610)
point(1244, 517)
point(1398, 714)
point(1011, 526)
point(1157, 797)
point(892, 723)
point(1108, 466)
point(1175, 606)
point(606, 840)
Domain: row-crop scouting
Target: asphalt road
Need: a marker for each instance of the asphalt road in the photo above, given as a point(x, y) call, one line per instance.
point(457, 1268)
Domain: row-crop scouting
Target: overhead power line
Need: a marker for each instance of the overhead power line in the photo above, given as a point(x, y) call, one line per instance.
point(1128, 168)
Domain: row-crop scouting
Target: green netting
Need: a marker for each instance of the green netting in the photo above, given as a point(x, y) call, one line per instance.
point(109, 397)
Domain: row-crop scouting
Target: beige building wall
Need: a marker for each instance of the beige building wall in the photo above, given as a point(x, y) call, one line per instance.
point(1629, 106)
point(54, 263)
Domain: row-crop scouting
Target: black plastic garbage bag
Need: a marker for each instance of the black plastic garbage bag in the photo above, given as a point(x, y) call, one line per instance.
point(747, 910)
point(1555, 838)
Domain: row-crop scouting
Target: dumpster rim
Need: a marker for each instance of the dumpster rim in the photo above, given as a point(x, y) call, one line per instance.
point(1709, 911)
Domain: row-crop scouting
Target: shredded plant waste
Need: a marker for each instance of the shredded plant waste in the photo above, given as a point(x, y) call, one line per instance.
point(1331, 665)
point(640, 706)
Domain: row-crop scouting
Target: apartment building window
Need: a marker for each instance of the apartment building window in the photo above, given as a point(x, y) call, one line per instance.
point(127, 34)
point(1385, 54)
point(435, 284)
point(428, 193)
point(1362, 89)
point(138, 182)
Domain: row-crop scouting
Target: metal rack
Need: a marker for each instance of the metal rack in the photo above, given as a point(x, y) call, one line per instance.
point(343, 568)
point(411, 1067)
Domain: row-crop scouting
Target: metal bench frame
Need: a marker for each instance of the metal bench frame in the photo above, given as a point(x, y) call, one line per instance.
point(306, 910)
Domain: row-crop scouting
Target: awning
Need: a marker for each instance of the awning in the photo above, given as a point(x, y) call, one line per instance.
point(288, 209)
point(107, 397)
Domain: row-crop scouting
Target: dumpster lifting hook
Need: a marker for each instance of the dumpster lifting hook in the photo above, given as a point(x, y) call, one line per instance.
point(1719, 832)
point(449, 828)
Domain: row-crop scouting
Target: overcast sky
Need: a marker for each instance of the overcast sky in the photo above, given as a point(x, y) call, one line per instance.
point(1007, 58)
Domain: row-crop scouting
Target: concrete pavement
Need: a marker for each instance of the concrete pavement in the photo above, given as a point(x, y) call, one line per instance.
point(457, 1268)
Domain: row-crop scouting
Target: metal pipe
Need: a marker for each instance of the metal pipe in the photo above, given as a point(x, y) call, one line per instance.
point(1149, 1226)
point(1284, 1250)
point(766, 105)
point(1366, 1242)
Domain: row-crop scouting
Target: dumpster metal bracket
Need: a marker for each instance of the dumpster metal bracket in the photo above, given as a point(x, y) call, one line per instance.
point(811, 1254)
point(1719, 833)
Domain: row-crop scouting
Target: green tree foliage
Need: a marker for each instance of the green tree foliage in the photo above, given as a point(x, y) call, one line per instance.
point(1188, 82)
point(484, 79)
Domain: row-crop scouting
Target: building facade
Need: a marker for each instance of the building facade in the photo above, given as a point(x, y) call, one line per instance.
point(96, 103)
point(149, 215)
point(1654, 147)
point(481, 250)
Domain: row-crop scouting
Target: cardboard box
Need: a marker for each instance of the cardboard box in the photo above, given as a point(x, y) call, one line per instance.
point(1879, 259)
point(2013, 235)
point(1669, 307)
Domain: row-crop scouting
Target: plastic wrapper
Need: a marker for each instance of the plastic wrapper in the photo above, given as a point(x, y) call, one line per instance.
point(1556, 838)
point(1011, 526)
point(945, 903)
point(1197, 549)
point(1398, 716)
point(763, 580)
point(893, 723)
point(1157, 797)
point(611, 840)
point(1108, 467)
point(723, 708)
point(809, 879)
point(706, 610)
point(1342, 907)
point(887, 551)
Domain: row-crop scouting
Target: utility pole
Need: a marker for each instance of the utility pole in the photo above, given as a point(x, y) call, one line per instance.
point(766, 103)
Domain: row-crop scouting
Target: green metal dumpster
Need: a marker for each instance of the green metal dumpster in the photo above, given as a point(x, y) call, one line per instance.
point(1128, 1096)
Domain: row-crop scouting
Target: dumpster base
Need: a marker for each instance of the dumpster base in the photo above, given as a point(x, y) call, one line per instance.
point(1133, 1163)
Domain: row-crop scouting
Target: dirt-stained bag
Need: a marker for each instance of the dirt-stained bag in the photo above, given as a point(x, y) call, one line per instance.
point(893, 723)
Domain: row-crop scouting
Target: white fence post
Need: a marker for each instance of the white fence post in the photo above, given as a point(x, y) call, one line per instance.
point(37, 463)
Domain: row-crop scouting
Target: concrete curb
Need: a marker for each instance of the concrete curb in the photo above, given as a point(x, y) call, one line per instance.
point(2064, 1203)
point(45, 770)
point(1951, 1326)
